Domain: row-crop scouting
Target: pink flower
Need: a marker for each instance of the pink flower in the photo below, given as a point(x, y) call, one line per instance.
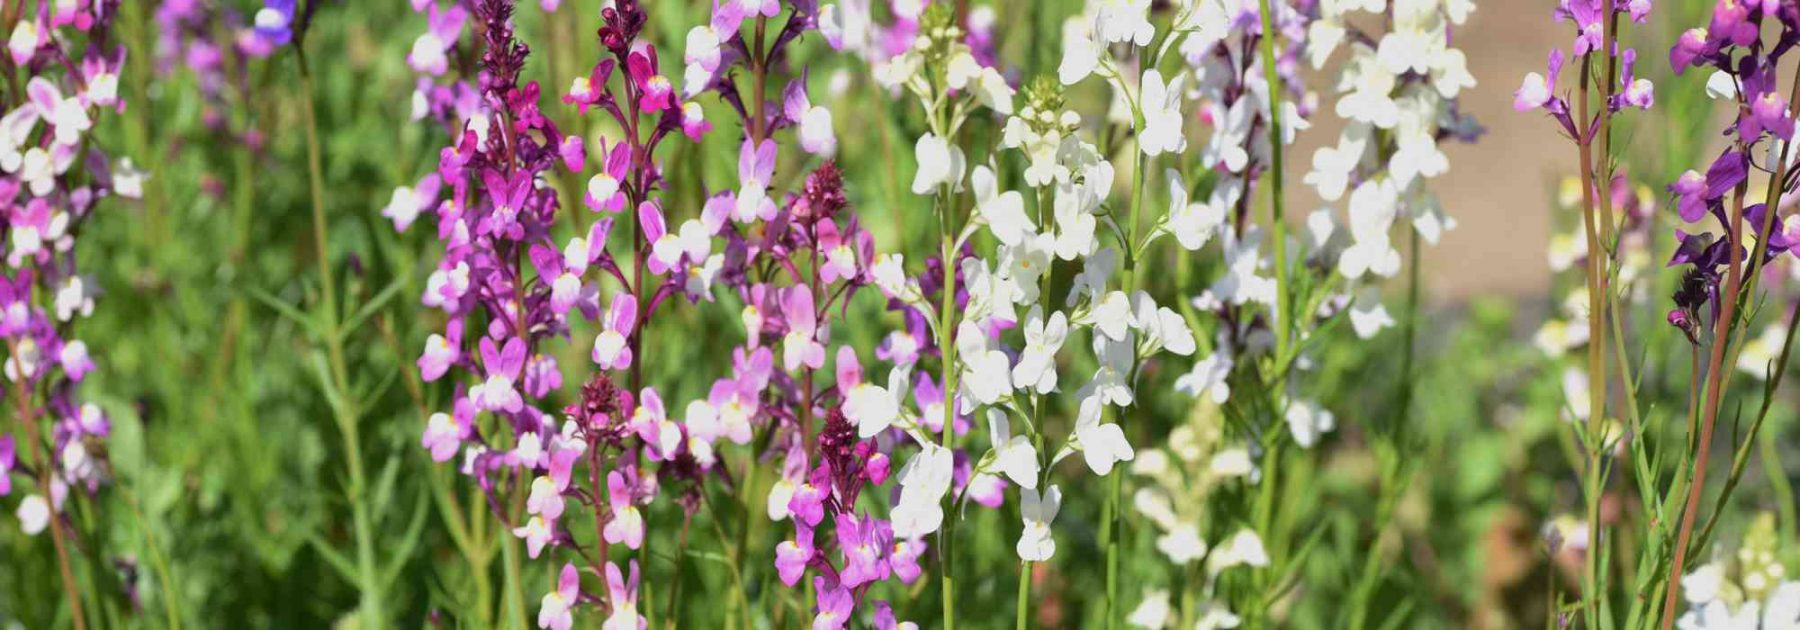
point(626, 524)
point(693, 121)
point(835, 605)
point(503, 367)
point(555, 611)
point(605, 190)
point(545, 500)
point(611, 351)
point(792, 556)
point(658, 93)
point(443, 29)
point(585, 92)
point(756, 166)
point(652, 424)
point(801, 346)
point(622, 594)
point(439, 354)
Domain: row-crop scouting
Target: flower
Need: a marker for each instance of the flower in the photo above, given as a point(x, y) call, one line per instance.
point(940, 163)
point(554, 612)
point(1036, 543)
point(622, 595)
point(626, 524)
point(1161, 103)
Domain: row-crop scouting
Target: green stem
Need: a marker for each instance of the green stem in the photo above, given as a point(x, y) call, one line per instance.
point(1276, 190)
point(371, 611)
point(947, 343)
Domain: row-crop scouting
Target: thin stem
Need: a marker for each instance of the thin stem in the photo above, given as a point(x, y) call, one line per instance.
point(371, 610)
point(947, 345)
point(1596, 283)
point(1276, 201)
point(1715, 393)
point(28, 419)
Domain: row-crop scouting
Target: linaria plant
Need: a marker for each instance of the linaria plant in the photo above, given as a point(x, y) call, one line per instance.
point(1719, 292)
point(63, 63)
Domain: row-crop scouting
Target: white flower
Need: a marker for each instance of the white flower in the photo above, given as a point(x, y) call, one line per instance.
point(1210, 375)
point(986, 372)
point(1244, 549)
point(940, 163)
point(816, 135)
point(1182, 544)
point(923, 482)
point(1231, 131)
point(34, 515)
point(1075, 227)
point(1307, 422)
point(1081, 54)
point(1163, 328)
point(1373, 206)
point(1111, 316)
point(1370, 92)
point(1368, 316)
point(1193, 224)
point(1153, 612)
point(1123, 21)
point(1035, 542)
point(1332, 166)
point(1013, 454)
point(1161, 103)
point(872, 407)
point(1242, 283)
point(1450, 72)
point(1003, 211)
point(1102, 445)
point(1036, 370)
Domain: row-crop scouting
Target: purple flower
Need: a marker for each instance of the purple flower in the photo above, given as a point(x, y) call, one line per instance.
point(1689, 47)
point(1690, 197)
point(275, 22)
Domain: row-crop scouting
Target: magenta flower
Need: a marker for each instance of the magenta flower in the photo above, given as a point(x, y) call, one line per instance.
point(1688, 48)
point(863, 547)
point(793, 556)
point(438, 355)
point(658, 93)
point(9, 459)
point(605, 189)
point(835, 605)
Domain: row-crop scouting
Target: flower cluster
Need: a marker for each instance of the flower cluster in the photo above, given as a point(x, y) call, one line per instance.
point(509, 285)
point(1744, 73)
point(52, 179)
point(1397, 96)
